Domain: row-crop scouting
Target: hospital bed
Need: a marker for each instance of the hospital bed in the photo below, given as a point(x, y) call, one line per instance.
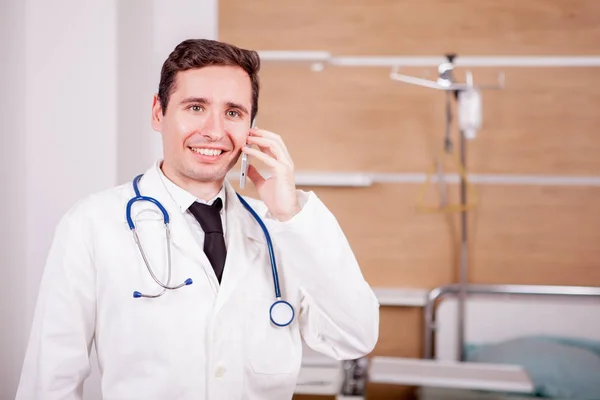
point(520, 341)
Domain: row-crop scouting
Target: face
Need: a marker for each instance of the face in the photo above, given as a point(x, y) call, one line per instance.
point(206, 123)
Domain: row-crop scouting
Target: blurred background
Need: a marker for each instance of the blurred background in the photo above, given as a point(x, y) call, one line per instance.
point(77, 81)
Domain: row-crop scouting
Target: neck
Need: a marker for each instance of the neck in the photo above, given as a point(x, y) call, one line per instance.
point(202, 190)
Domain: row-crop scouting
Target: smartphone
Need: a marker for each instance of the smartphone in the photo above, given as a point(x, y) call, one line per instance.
point(245, 164)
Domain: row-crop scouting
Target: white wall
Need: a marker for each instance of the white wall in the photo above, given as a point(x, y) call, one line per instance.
point(13, 176)
point(70, 124)
point(77, 80)
point(148, 32)
point(138, 76)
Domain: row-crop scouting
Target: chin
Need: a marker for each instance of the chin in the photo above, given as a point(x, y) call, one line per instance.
point(200, 174)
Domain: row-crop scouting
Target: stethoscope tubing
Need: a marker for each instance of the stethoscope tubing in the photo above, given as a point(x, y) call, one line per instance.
point(139, 197)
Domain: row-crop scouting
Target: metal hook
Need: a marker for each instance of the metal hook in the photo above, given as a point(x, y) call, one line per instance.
point(446, 78)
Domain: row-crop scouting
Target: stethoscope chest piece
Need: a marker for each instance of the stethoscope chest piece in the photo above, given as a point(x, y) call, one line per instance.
point(282, 313)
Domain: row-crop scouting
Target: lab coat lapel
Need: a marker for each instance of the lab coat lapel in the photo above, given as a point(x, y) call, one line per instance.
point(244, 243)
point(181, 236)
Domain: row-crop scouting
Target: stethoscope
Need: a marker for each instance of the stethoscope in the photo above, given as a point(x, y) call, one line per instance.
point(281, 312)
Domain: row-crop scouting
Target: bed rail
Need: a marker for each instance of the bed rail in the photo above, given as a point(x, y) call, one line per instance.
point(526, 290)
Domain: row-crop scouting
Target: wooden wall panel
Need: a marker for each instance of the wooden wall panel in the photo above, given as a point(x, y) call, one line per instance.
point(394, 245)
point(517, 234)
point(543, 122)
point(380, 391)
point(357, 119)
point(349, 119)
point(414, 26)
point(536, 235)
point(403, 333)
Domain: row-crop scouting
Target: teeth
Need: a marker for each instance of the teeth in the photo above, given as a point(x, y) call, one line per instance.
point(207, 152)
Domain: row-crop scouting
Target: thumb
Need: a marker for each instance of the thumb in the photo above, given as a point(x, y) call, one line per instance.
point(255, 176)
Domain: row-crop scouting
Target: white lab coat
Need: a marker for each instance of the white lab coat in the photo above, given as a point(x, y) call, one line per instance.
point(203, 341)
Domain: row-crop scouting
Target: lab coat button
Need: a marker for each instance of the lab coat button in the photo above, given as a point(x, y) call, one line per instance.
point(220, 372)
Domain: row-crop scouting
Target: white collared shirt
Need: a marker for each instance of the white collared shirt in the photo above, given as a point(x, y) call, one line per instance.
point(185, 199)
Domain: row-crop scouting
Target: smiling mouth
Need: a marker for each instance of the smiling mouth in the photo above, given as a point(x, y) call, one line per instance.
point(206, 152)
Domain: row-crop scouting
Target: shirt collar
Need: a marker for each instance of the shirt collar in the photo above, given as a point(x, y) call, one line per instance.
point(182, 197)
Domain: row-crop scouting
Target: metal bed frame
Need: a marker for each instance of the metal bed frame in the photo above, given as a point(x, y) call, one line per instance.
point(521, 290)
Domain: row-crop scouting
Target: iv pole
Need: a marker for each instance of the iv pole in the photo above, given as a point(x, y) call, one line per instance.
point(471, 118)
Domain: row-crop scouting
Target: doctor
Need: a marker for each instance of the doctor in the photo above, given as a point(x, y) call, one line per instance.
point(215, 338)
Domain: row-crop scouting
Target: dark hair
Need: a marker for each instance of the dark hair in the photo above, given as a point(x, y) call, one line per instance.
point(198, 53)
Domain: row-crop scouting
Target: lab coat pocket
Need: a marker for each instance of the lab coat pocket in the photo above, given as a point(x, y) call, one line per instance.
point(270, 348)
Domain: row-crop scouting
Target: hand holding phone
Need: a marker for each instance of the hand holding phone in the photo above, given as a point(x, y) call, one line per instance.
point(277, 191)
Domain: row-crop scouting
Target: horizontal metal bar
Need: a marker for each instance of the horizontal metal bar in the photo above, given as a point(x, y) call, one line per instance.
point(431, 61)
point(390, 61)
point(514, 179)
point(365, 179)
point(540, 180)
point(333, 179)
point(529, 61)
point(326, 179)
point(303, 56)
point(527, 290)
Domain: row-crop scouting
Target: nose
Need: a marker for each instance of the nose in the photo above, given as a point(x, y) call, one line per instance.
point(213, 127)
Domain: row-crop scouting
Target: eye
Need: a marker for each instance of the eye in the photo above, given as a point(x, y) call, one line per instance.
point(196, 107)
point(233, 114)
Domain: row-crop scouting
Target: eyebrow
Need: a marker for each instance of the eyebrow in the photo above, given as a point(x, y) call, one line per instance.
point(238, 106)
point(202, 100)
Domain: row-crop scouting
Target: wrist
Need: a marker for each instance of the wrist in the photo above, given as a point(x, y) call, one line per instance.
point(289, 214)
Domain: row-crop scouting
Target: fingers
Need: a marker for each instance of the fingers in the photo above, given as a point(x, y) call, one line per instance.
point(259, 155)
point(255, 176)
point(256, 132)
point(267, 134)
point(277, 166)
point(271, 147)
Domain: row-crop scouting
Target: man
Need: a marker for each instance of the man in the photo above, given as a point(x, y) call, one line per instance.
point(214, 338)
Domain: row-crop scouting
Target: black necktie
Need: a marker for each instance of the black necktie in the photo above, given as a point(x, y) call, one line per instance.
point(209, 218)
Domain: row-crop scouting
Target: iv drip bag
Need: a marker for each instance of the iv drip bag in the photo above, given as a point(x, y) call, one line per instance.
point(469, 112)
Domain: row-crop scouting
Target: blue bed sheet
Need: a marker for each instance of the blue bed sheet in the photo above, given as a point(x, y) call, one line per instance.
point(560, 368)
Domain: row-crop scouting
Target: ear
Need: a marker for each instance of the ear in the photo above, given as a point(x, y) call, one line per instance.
point(156, 114)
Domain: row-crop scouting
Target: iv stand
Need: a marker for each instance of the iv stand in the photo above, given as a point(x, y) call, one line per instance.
point(447, 83)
